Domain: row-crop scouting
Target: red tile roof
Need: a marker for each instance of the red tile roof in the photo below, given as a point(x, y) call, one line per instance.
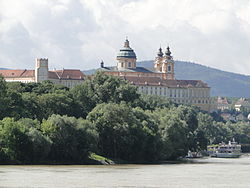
point(67, 74)
point(17, 73)
point(155, 81)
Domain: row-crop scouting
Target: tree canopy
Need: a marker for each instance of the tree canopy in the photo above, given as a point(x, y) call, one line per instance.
point(47, 123)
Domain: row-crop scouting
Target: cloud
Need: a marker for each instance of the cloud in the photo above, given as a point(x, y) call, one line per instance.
point(80, 33)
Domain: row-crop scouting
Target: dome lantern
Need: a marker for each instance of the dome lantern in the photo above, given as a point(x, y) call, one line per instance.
point(126, 57)
point(126, 51)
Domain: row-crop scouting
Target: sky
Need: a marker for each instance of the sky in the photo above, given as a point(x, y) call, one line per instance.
point(80, 34)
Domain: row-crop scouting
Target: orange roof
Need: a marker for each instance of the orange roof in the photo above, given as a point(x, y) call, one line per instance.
point(156, 81)
point(67, 74)
point(17, 73)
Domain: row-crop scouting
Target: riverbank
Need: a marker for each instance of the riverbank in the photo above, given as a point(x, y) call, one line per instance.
point(95, 159)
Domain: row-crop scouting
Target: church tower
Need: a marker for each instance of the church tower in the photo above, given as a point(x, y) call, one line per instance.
point(41, 69)
point(126, 58)
point(158, 61)
point(165, 64)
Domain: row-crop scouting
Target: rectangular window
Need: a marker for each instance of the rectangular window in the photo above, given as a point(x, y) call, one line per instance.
point(169, 68)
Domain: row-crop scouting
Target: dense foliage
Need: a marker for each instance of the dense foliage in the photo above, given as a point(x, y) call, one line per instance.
point(47, 123)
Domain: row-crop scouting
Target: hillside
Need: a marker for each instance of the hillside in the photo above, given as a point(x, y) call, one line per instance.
point(222, 83)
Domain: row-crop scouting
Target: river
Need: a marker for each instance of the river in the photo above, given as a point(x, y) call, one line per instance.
point(206, 172)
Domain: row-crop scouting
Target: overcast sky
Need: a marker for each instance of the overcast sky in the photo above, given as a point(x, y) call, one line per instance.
point(81, 33)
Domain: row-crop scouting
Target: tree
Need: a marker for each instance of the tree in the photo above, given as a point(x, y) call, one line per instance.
point(83, 96)
point(206, 125)
point(72, 139)
point(189, 115)
point(125, 133)
point(103, 89)
point(112, 122)
point(14, 107)
point(214, 132)
point(55, 103)
point(3, 95)
point(31, 106)
point(41, 145)
point(173, 132)
point(149, 138)
point(14, 141)
point(44, 87)
point(152, 102)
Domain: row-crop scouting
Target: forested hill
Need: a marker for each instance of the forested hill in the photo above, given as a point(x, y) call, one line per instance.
point(222, 83)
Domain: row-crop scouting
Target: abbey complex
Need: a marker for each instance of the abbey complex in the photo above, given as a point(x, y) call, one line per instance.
point(161, 80)
point(158, 81)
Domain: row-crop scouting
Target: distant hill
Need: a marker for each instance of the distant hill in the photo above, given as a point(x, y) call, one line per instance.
point(222, 83)
point(3, 69)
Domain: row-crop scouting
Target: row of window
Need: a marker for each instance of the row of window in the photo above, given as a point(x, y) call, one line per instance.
point(174, 92)
point(69, 84)
point(191, 101)
point(23, 81)
point(129, 64)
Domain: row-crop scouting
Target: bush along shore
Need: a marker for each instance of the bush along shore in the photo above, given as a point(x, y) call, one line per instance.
point(104, 118)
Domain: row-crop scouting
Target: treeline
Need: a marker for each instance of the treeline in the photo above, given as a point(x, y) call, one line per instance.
point(46, 123)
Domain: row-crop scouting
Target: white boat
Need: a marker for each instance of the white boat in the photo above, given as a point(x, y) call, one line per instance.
point(230, 150)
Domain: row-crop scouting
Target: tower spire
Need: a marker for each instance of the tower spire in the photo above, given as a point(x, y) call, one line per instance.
point(102, 64)
point(160, 54)
point(168, 53)
point(126, 43)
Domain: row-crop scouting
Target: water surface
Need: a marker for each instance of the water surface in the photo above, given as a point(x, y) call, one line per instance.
point(208, 172)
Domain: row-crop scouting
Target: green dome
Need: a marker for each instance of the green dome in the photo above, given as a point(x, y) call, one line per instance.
point(126, 51)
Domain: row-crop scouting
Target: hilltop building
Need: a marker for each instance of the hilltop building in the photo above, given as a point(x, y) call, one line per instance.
point(160, 80)
point(66, 77)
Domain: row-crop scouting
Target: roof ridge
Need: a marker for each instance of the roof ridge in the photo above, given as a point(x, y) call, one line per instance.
point(57, 75)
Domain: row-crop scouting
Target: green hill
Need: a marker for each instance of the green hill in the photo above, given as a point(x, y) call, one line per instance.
point(222, 83)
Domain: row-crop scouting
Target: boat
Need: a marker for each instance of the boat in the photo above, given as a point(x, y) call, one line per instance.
point(230, 150)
